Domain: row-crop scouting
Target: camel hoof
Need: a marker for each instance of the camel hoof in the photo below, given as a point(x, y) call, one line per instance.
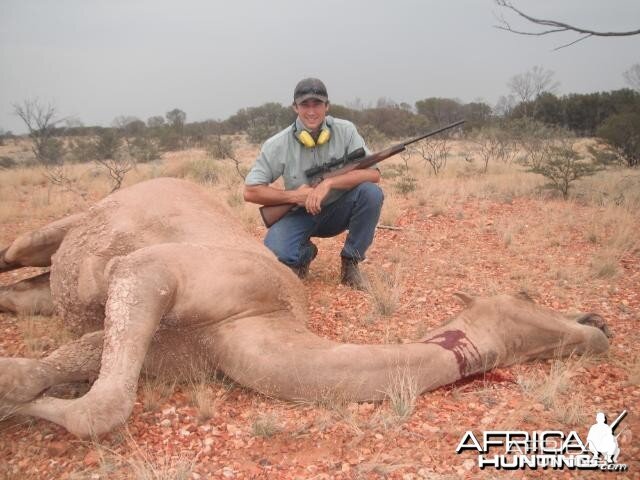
point(595, 320)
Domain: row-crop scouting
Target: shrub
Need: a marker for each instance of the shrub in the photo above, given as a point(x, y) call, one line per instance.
point(82, 150)
point(406, 184)
point(144, 149)
point(7, 162)
point(622, 131)
point(563, 166)
point(373, 137)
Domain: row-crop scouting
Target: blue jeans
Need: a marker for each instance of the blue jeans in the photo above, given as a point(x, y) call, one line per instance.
point(358, 211)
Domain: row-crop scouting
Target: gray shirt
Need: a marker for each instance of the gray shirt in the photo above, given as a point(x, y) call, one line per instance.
point(284, 156)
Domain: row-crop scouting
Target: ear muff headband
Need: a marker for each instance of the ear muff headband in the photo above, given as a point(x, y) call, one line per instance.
point(307, 140)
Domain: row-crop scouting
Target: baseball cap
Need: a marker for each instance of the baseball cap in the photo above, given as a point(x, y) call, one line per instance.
point(310, 88)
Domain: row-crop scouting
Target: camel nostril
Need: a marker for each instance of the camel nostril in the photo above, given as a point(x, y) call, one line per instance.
point(595, 320)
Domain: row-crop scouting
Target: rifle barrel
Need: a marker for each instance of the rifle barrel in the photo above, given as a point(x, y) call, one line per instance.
point(618, 420)
point(413, 140)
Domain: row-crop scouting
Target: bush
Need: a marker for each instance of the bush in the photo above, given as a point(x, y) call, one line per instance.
point(563, 166)
point(205, 171)
point(108, 144)
point(7, 162)
point(622, 131)
point(373, 137)
point(406, 184)
point(144, 149)
point(82, 150)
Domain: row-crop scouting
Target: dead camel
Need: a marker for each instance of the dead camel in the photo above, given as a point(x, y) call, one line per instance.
point(158, 276)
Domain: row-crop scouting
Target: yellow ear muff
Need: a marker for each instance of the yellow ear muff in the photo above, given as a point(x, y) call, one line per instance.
point(324, 136)
point(306, 139)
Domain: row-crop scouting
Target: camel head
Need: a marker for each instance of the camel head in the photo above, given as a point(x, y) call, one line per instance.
point(522, 330)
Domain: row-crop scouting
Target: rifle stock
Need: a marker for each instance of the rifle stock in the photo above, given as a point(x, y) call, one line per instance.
point(272, 213)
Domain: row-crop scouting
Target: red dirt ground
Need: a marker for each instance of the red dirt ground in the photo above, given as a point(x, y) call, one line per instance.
point(462, 249)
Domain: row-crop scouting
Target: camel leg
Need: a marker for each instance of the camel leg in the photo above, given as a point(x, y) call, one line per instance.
point(140, 292)
point(35, 249)
point(28, 297)
point(23, 379)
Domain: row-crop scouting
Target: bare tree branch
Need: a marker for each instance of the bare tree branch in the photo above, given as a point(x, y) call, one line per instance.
point(555, 26)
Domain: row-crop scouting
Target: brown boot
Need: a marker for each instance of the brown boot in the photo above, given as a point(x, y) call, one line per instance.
point(350, 274)
point(303, 270)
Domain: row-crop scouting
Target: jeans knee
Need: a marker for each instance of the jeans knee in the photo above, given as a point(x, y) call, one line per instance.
point(279, 249)
point(371, 193)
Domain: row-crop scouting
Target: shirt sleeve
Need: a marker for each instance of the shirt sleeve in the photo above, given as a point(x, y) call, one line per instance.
point(356, 141)
point(264, 171)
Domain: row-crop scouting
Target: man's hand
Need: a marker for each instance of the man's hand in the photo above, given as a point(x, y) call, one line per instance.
point(316, 196)
point(300, 195)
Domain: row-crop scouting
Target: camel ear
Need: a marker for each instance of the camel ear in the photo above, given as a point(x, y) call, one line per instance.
point(465, 299)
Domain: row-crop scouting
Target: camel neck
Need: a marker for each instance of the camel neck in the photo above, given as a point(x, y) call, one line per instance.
point(282, 358)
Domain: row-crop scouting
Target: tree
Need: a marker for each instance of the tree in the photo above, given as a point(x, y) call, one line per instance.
point(171, 137)
point(476, 114)
point(262, 122)
point(527, 86)
point(155, 121)
point(40, 121)
point(128, 125)
point(109, 154)
point(176, 119)
point(222, 148)
point(440, 111)
point(434, 151)
point(555, 26)
point(622, 131)
point(632, 76)
point(505, 105)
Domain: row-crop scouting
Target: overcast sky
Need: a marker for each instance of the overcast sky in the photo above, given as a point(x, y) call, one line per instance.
point(96, 60)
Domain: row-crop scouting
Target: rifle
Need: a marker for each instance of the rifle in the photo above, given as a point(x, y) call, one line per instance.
point(617, 420)
point(272, 213)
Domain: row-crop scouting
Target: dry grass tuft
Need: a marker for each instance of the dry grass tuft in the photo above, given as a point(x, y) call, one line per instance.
point(201, 394)
point(634, 372)
point(551, 389)
point(402, 393)
point(265, 426)
point(42, 334)
point(156, 391)
point(547, 388)
point(570, 413)
point(141, 463)
point(391, 210)
point(622, 241)
point(384, 289)
point(605, 264)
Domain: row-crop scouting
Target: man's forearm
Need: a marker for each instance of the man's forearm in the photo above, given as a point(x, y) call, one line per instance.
point(267, 195)
point(352, 179)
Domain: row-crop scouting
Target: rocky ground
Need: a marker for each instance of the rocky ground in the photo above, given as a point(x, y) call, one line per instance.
point(569, 256)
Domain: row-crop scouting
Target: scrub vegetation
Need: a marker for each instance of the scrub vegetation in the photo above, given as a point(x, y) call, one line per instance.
point(489, 217)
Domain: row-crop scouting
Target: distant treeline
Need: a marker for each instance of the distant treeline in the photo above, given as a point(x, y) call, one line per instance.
point(613, 115)
point(583, 114)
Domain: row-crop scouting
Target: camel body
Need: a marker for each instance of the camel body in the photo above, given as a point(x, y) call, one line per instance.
point(159, 277)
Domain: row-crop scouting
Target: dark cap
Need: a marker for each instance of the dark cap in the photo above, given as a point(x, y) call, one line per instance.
point(310, 88)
